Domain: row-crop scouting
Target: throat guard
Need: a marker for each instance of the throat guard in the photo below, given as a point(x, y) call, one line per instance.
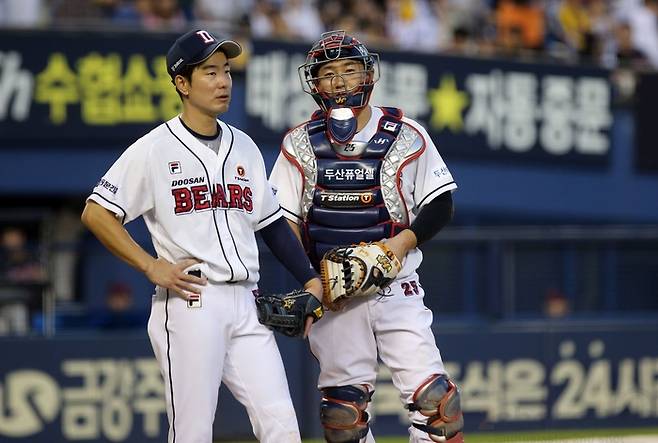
point(341, 125)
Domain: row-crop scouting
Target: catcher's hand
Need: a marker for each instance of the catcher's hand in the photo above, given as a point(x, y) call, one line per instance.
point(287, 313)
point(356, 271)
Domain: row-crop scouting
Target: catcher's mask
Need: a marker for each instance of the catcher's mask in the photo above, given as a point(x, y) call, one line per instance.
point(336, 45)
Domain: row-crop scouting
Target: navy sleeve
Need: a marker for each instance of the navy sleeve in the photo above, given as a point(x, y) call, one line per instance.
point(433, 217)
point(285, 246)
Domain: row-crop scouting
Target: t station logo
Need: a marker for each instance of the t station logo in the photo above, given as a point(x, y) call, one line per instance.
point(346, 200)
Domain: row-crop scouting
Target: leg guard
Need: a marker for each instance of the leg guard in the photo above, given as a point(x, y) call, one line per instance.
point(438, 399)
point(343, 413)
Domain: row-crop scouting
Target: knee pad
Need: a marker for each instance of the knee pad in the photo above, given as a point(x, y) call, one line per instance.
point(343, 413)
point(437, 398)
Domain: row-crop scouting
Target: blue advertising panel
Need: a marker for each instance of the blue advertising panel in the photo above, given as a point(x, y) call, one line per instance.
point(108, 388)
point(79, 88)
point(544, 380)
point(74, 88)
point(474, 108)
point(80, 389)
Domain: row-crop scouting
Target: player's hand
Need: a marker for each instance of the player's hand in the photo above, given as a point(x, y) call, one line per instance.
point(402, 243)
point(173, 276)
point(314, 286)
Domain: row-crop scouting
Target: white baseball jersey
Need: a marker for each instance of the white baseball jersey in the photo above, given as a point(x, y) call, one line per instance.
point(196, 204)
point(206, 205)
point(423, 179)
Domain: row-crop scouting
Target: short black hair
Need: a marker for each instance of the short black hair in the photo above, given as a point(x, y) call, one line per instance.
point(186, 72)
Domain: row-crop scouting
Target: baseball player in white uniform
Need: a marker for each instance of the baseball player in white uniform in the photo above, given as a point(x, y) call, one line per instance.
point(201, 187)
point(357, 173)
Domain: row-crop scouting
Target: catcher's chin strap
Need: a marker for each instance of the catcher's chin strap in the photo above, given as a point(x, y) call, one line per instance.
point(438, 399)
point(343, 413)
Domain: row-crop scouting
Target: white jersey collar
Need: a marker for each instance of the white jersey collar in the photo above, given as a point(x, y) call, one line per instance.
point(193, 143)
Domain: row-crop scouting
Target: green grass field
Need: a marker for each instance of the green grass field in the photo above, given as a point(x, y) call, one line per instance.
point(591, 436)
point(594, 436)
point(616, 435)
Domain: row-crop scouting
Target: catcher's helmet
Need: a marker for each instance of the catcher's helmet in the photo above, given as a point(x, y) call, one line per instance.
point(337, 45)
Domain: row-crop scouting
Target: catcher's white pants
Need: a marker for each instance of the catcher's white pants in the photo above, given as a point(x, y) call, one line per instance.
point(222, 341)
point(397, 327)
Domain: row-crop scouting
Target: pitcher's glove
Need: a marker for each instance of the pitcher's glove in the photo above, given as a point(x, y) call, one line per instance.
point(286, 313)
point(356, 271)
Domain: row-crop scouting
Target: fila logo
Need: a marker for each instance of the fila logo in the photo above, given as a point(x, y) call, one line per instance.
point(175, 168)
point(193, 301)
point(205, 36)
point(390, 126)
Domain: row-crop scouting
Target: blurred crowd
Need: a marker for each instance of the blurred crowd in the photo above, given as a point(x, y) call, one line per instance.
point(611, 33)
point(617, 34)
point(25, 280)
point(22, 277)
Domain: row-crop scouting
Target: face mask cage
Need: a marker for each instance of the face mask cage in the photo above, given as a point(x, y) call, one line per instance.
point(335, 45)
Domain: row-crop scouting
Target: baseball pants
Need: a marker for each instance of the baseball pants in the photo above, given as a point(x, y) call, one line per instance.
point(397, 327)
point(221, 341)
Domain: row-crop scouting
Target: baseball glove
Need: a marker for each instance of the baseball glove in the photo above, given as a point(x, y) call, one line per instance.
point(286, 313)
point(356, 271)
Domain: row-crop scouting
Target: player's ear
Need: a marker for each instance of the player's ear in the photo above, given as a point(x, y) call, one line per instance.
point(182, 84)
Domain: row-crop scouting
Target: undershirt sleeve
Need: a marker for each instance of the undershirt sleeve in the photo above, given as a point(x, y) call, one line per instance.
point(285, 246)
point(433, 217)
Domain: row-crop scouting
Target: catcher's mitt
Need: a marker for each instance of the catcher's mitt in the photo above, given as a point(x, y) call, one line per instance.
point(286, 313)
point(356, 271)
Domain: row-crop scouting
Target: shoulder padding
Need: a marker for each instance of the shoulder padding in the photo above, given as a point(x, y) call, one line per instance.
point(392, 112)
point(296, 140)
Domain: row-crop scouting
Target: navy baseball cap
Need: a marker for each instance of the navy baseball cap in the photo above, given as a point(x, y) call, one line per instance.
point(196, 46)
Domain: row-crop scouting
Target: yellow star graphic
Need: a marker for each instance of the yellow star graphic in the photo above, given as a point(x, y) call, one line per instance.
point(448, 103)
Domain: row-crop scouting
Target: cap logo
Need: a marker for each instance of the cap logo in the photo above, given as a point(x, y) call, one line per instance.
point(205, 36)
point(177, 64)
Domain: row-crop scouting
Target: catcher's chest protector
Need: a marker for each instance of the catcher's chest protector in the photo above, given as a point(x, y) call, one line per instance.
point(352, 199)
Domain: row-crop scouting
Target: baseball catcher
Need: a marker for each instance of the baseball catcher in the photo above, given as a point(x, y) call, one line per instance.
point(289, 313)
point(354, 174)
point(356, 271)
